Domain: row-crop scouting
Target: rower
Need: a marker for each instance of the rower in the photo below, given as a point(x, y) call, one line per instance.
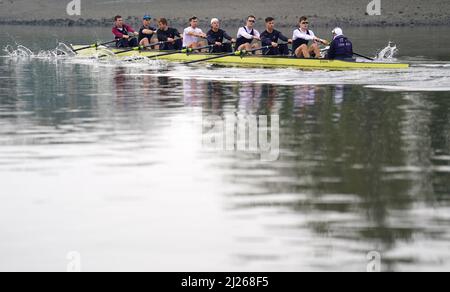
point(146, 32)
point(192, 34)
point(271, 36)
point(121, 31)
point(216, 36)
point(341, 48)
point(301, 39)
point(247, 34)
point(169, 36)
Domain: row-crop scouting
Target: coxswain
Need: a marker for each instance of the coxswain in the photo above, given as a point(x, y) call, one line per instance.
point(341, 48)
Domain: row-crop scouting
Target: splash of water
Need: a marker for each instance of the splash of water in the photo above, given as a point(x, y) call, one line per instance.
point(64, 53)
point(388, 53)
point(63, 50)
point(18, 52)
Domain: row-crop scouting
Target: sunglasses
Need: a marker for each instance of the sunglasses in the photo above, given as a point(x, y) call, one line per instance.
point(305, 23)
point(252, 21)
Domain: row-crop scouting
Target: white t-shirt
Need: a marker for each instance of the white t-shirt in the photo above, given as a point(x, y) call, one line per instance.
point(245, 32)
point(299, 34)
point(189, 39)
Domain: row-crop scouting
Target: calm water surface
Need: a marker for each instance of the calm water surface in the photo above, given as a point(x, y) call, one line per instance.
point(109, 160)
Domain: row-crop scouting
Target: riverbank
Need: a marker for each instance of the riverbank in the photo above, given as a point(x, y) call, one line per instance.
point(322, 12)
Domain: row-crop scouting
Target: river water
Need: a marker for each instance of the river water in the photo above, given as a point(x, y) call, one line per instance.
point(135, 166)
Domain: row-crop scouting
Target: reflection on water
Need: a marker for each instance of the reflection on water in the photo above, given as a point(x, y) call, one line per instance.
point(110, 163)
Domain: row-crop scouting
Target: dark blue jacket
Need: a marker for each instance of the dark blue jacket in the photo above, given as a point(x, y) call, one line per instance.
point(267, 38)
point(219, 36)
point(171, 33)
point(341, 48)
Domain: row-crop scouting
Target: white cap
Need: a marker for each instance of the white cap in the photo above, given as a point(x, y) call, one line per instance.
point(338, 31)
point(214, 20)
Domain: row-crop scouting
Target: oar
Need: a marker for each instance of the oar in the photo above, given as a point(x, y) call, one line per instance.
point(200, 48)
point(240, 53)
point(245, 52)
point(279, 44)
point(365, 57)
point(183, 51)
point(139, 48)
point(327, 43)
point(94, 46)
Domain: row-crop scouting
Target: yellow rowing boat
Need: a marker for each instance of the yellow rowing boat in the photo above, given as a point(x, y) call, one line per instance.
point(252, 60)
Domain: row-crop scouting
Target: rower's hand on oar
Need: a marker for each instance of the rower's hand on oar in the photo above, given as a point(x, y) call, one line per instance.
point(256, 38)
point(130, 35)
point(274, 44)
point(218, 44)
point(148, 31)
point(290, 41)
point(319, 41)
point(324, 42)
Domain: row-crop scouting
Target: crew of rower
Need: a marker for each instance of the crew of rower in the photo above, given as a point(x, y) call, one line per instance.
point(305, 44)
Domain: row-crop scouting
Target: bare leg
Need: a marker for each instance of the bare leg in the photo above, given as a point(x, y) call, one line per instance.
point(144, 42)
point(316, 50)
point(302, 52)
point(246, 47)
